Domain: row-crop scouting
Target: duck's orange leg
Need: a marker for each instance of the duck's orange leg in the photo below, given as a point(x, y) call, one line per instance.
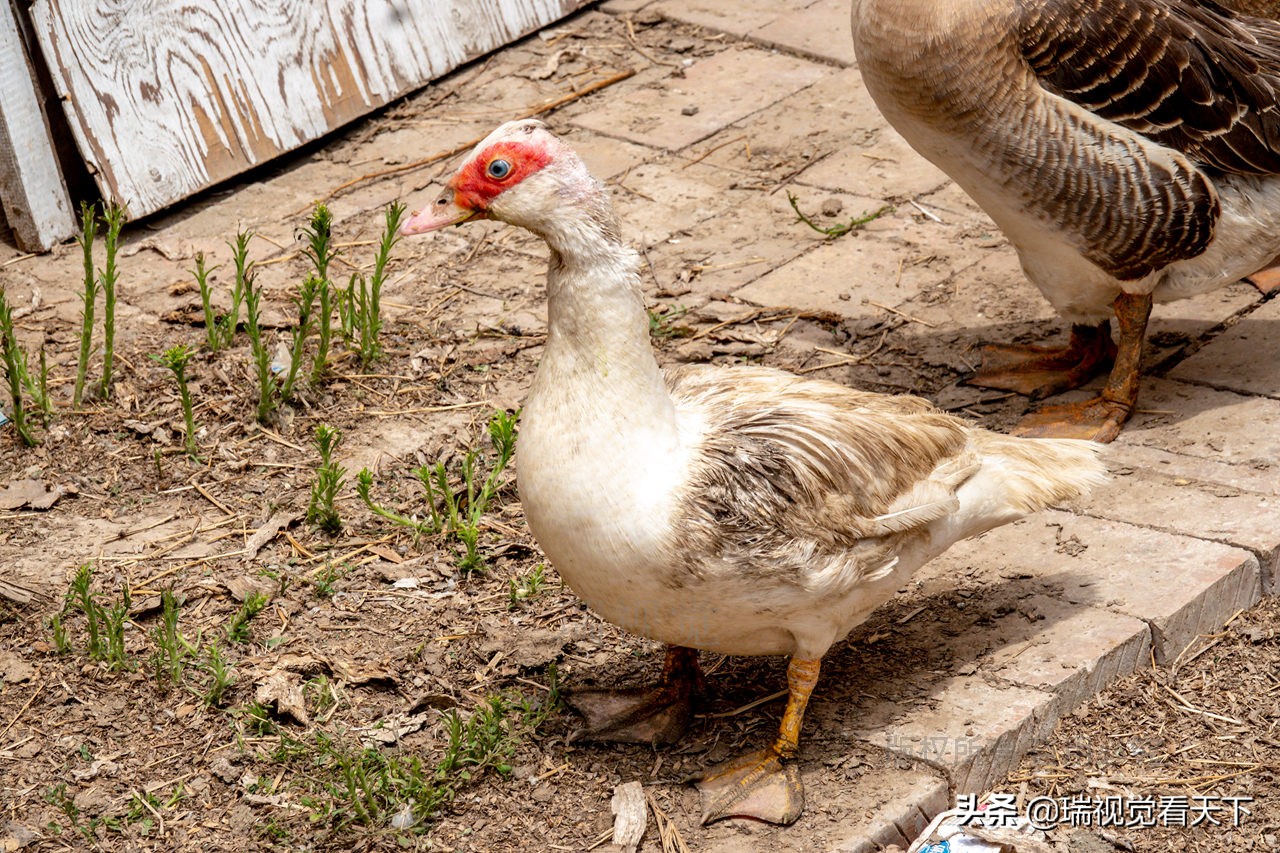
point(1040, 372)
point(1100, 418)
point(657, 714)
point(765, 785)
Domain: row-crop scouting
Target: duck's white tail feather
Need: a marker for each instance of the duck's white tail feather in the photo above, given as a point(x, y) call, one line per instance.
point(1020, 476)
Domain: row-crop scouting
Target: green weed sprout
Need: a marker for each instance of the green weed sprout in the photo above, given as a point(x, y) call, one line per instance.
point(80, 595)
point(113, 627)
point(267, 387)
point(365, 304)
point(840, 228)
point(320, 510)
point(306, 303)
point(320, 251)
point(238, 627)
point(364, 486)
point(175, 359)
point(15, 368)
point(460, 518)
point(244, 273)
point(220, 676)
point(172, 649)
point(38, 387)
point(212, 330)
point(527, 586)
point(115, 217)
point(88, 231)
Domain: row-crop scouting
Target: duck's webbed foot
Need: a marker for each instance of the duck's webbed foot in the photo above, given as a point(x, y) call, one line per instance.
point(653, 715)
point(765, 785)
point(1039, 372)
point(762, 785)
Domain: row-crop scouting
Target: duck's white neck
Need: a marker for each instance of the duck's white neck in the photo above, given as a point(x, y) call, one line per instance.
point(598, 346)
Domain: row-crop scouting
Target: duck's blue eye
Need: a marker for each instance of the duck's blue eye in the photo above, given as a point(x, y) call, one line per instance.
point(499, 169)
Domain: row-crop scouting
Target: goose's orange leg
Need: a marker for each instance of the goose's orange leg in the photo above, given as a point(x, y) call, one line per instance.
point(1100, 418)
point(765, 785)
point(1040, 372)
point(658, 714)
point(1266, 280)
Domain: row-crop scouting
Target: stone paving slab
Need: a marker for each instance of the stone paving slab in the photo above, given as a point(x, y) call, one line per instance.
point(710, 96)
point(974, 730)
point(1188, 585)
point(821, 30)
point(1242, 358)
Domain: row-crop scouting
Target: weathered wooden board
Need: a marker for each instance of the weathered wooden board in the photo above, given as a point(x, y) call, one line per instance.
point(168, 96)
point(36, 204)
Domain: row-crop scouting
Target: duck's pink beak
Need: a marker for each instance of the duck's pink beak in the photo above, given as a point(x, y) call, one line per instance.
point(445, 212)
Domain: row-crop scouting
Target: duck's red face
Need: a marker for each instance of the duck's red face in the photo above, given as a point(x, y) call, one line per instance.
point(495, 169)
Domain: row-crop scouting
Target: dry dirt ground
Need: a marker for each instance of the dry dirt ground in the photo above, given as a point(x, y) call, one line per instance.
point(341, 692)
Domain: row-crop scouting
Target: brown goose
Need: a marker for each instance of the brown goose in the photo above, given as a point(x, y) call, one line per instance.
point(1129, 150)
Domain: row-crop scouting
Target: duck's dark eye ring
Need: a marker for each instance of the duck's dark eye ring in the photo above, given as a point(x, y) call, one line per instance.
point(498, 169)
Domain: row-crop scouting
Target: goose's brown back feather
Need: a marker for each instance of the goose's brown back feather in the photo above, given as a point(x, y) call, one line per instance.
point(1192, 76)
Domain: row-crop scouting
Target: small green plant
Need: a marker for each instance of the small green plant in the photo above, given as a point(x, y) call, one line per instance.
point(38, 388)
point(176, 359)
point(58, 633)
point(320, 510)
point(324, 580)
point(840, 228)
point(57, 796)
point(459, 517)
point(318, 234)
point(526, 586)
point(212, 328)
point(88, 232)
point(321, 695)
point(662, 324)
point(238, 628)
point(259, 719)
point(364, 486)
point(113, 623)
point(15, 368)
point(363, 304)
point(172, 649)
point(114, 215)
point(80, 595)
point(220, 674)
point(306, 304)
point(368, 786)
point(267, 387)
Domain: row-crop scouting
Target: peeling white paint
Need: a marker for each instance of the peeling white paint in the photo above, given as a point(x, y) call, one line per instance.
point(170, 97)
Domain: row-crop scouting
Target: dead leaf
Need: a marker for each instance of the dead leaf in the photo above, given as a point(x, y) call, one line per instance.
point(29, 493)
point(392, 728)
point(283, 691)
point(14, 670)
point(385, 553)
point(279, 520)
point(363, 672)
point(242, 587)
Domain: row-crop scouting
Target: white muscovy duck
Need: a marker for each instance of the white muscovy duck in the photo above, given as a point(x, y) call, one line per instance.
point(1129, 150)
point(741, 510)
